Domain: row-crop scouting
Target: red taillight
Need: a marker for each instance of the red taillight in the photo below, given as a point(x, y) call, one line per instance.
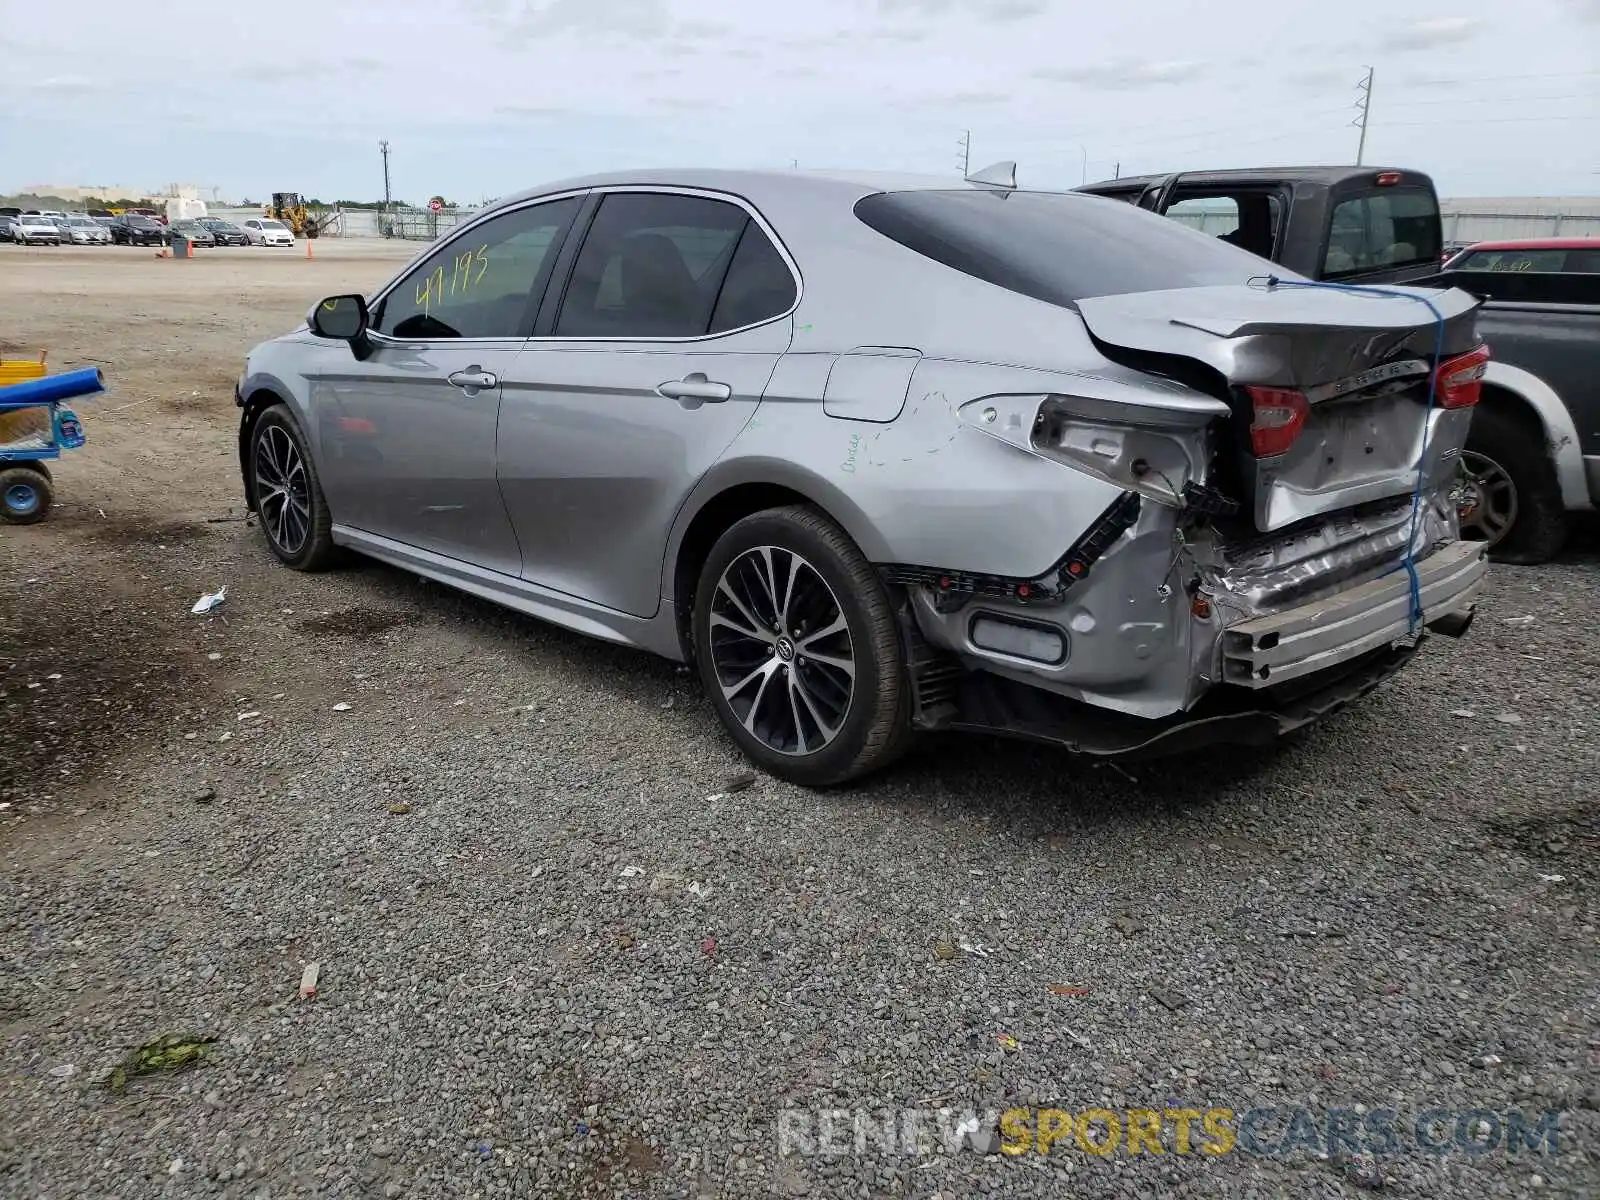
point(1277, 417)
point(1388, 178)
point(1458, 382)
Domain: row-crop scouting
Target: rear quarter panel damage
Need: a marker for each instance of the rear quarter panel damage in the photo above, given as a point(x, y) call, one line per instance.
point(929, 488)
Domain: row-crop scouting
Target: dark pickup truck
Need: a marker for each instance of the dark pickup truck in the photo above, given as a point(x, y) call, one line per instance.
point(1533, 456)
point(1344, 224)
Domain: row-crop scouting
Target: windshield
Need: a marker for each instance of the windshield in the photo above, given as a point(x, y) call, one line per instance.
point(273, 225)
point(82, 222)
point(1056, 247)
point(142, 222)
point(225, 226)
point(35, 220)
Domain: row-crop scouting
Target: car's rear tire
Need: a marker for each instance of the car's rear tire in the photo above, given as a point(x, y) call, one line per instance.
point(286, 493)
point(1512, 499)
point(798, 648)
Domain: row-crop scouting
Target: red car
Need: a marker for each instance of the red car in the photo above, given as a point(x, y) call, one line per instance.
point(1552, 255)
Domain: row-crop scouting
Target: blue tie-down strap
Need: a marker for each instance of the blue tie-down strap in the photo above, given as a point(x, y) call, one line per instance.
point(1409, 563)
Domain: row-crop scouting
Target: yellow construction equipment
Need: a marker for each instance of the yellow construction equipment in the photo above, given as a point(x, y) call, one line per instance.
point(291, 209)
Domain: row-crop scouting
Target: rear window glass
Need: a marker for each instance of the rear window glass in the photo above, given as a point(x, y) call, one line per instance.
point(1395, 227)
point(1060, 248)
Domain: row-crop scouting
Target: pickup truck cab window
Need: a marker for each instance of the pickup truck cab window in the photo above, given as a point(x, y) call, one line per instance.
point(1390, 227)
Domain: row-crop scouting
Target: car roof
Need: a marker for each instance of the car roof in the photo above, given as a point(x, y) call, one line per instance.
point(753, 184)
point(1323, 174)
point(1545, 243)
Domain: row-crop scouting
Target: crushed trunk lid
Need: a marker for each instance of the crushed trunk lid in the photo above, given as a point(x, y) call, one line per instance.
point(1328, 387)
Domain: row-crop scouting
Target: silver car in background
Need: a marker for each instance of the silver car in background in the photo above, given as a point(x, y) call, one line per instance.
point(881, 455)
point(83, 231)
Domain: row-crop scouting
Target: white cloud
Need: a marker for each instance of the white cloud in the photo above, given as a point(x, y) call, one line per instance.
point(1431, 35)
point(1123, 74)
point(488, 96)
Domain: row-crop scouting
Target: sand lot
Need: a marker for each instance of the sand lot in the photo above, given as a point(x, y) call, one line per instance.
point(568, 948)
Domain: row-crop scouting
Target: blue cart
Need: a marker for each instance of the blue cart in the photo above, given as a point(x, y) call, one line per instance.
point(35, 427)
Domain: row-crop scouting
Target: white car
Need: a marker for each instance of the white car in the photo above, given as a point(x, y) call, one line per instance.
point(264, 231)
point(34, 229)
point(83, 231)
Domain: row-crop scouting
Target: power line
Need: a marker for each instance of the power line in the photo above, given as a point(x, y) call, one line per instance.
point(1457, 103)
point(1489, 121)
point(1249, 120)
point(1475, 80)
point(1203, 128)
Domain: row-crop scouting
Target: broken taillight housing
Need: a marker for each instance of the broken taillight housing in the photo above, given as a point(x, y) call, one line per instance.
point(1458, 381)
point(1277, 415)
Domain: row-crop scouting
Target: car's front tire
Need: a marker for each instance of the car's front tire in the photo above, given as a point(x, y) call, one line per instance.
point(286, 493)
point(798, 648)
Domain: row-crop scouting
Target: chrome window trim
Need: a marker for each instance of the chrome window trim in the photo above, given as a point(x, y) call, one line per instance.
point(632, 188)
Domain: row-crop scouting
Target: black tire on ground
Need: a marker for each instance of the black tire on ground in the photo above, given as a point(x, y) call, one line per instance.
point(302, 537)
point(25, 495)
point(1539, 528)
point(875, 727)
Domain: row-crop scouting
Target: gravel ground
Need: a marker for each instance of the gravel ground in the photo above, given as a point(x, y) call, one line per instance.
point(566, 947)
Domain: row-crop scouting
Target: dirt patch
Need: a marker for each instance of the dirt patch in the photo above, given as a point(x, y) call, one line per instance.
point(83, 672)
point(127, 531)
point(1566, 841)
point(357, 624)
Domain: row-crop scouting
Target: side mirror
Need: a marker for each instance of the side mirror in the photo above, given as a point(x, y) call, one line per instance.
point(342, 318)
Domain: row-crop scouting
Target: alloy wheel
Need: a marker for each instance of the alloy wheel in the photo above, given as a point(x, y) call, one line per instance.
point(282, 496)
point(1485, 498)
point(781, 650)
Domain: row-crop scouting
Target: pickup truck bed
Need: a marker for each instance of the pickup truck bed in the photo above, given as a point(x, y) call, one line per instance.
point(1538, 425)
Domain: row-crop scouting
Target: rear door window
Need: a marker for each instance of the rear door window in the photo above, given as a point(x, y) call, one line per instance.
point(1054, 246)
point(1380, 229)
point(651, 266)
point(1584, 262)
point(759, 285)
point(1249, 219)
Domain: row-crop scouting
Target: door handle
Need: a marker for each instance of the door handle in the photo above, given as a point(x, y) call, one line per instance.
point(473, 379)
point(695, 387)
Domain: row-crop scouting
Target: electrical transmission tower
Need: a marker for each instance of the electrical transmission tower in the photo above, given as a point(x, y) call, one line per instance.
point(965, 157)
point(1363, 109)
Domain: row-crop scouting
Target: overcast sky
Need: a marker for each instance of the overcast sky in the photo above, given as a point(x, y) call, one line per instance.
point(480, 97)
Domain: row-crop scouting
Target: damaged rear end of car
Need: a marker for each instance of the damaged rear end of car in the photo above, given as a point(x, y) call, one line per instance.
point(1278, 535)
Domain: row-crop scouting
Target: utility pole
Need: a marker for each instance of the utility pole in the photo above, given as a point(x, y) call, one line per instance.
point(383, 148)
point(1363, 108)
point(966, 152)
point(1117, 174)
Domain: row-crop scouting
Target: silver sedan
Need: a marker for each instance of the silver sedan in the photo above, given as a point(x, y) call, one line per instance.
point(888, 455)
